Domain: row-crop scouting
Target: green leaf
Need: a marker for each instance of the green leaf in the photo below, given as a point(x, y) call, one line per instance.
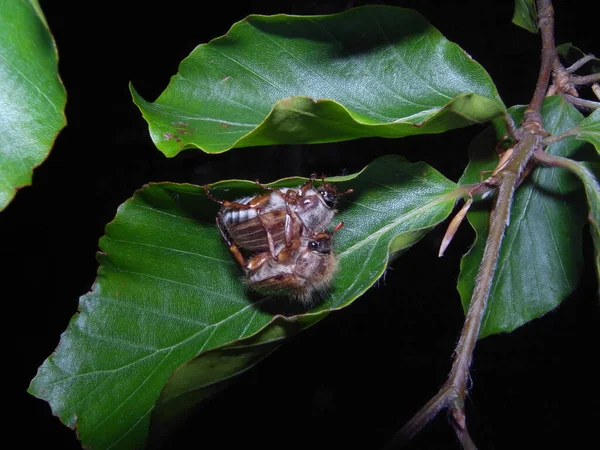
point(32, 97)
point(589, 129)
point(168, 290)
point(589, 173)
point(541, 256)
point(369, 71)
point(525, 15)
point(213, 370)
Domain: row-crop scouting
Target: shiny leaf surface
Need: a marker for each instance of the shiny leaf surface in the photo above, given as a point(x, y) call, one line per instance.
point(369, 71)
point(168, 293)
point(541, 256)
point(525, 15)
point(589, 129)
point(32, 97)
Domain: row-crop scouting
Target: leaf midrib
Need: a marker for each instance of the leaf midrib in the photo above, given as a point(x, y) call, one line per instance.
point(441, 199)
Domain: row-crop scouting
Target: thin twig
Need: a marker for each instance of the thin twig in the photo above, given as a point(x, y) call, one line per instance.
point(510, 125)
point(581, 102)
point(586, 79)
point(453, 393)
point(460, 428)
point(576, 167)
point(578, 64)
point(559, 137)
point(549, 56)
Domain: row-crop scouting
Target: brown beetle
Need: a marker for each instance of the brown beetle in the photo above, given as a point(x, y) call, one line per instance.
point(303, 270)
point(263, 222)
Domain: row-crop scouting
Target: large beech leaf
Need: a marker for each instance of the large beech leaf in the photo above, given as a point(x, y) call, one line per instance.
point(369, 71)
point(541, 256)
point(32, 97)
point(214, 370)
point(589, 129)
point(525, 15)
point(168, 290)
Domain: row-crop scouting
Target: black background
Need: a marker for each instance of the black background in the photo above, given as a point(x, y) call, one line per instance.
point(356, 377)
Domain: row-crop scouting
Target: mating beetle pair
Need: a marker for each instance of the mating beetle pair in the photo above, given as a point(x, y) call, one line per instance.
point(284, 232)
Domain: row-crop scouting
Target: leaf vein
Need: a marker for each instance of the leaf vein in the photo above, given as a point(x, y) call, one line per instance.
point(250, 70)
point(394, 223)
point(207, 291)
point(114, 410)
point(394, 93)
point(89, 394)
point(117, 342)
point(130, 428)
point(407, 67)
point(248, 324)
point(26, 78)
point(331, 86)
point(365, 263)
point(151, 311)
point(176, 250)
point(221, 95)
point(162, 108)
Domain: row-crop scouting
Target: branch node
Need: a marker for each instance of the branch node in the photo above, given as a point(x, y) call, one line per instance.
point(561, 81)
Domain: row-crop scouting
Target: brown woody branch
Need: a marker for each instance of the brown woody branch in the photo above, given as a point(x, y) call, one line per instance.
point(533, 119)
point(453, 393)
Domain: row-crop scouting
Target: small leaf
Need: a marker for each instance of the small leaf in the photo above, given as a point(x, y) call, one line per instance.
point(168, 290)
point(369, 71)
point(32, 97)
point(589, 129)
point(525, 15)
point(541, 256)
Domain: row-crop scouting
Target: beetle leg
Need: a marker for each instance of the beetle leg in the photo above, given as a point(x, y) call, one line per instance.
point(233, 248)
point(270, 241)
point(288, 229)
point(270, 189)
point(237, 255)
point(210, 196)
point(285, 254)
point(257, 261)
point(225, 203)
point(308, 184)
